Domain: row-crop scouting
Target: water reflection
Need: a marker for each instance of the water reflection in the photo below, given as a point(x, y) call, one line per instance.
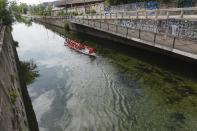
point(114, 92)
point(26, 21)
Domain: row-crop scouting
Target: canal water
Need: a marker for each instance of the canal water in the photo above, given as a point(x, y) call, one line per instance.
point(122, 89)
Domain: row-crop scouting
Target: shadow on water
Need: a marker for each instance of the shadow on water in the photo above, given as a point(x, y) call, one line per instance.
point(168, 81)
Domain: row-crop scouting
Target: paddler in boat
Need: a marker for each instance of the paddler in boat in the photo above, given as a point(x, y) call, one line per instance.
point(81, 46)
point(91, 50)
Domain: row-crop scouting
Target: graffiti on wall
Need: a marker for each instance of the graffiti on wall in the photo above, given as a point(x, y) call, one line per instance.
point(147, 25)
point(179, 28)
point(127, 7)
point(171, 27)
point(151, 5)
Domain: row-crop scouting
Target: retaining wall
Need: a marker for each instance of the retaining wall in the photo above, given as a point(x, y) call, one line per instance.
point(13, 114)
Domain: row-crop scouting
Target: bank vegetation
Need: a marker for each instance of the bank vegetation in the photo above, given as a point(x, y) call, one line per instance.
point(5, 13)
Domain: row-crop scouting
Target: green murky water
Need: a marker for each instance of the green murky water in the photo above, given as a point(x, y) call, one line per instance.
point(123, 89)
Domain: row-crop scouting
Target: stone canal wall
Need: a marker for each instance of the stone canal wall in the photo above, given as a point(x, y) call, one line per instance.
point(157, 42)
point(14, 114)
point(55, 22)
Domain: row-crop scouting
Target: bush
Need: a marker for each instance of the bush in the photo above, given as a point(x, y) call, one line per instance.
point(28, 71)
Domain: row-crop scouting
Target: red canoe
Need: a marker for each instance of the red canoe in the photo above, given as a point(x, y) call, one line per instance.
point(79, 47)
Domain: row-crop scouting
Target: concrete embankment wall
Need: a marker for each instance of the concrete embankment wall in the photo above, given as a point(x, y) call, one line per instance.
point(16, 112)
point(146, 40)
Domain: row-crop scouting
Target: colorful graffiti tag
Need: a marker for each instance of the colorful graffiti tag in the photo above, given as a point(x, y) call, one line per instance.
point(151, 5)
point(171, 27)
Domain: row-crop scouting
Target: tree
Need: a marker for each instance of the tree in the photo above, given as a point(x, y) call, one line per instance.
point(5, 13)
point(24, 8)
point(49, 10)
point(37, 10)
point(14, 7)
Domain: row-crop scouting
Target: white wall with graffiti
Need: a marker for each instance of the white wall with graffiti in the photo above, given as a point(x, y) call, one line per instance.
point(171, 27)
point(133, 6)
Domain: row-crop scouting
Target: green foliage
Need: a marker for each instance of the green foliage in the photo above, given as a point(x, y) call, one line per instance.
point(22, 8)
point(26, 21)
point(37, 10)
point(28, 71)
point(13, 95)
point(49, 10)
point(61, 13)
point(17, 10)
point(40, 10)
point(5, 14)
